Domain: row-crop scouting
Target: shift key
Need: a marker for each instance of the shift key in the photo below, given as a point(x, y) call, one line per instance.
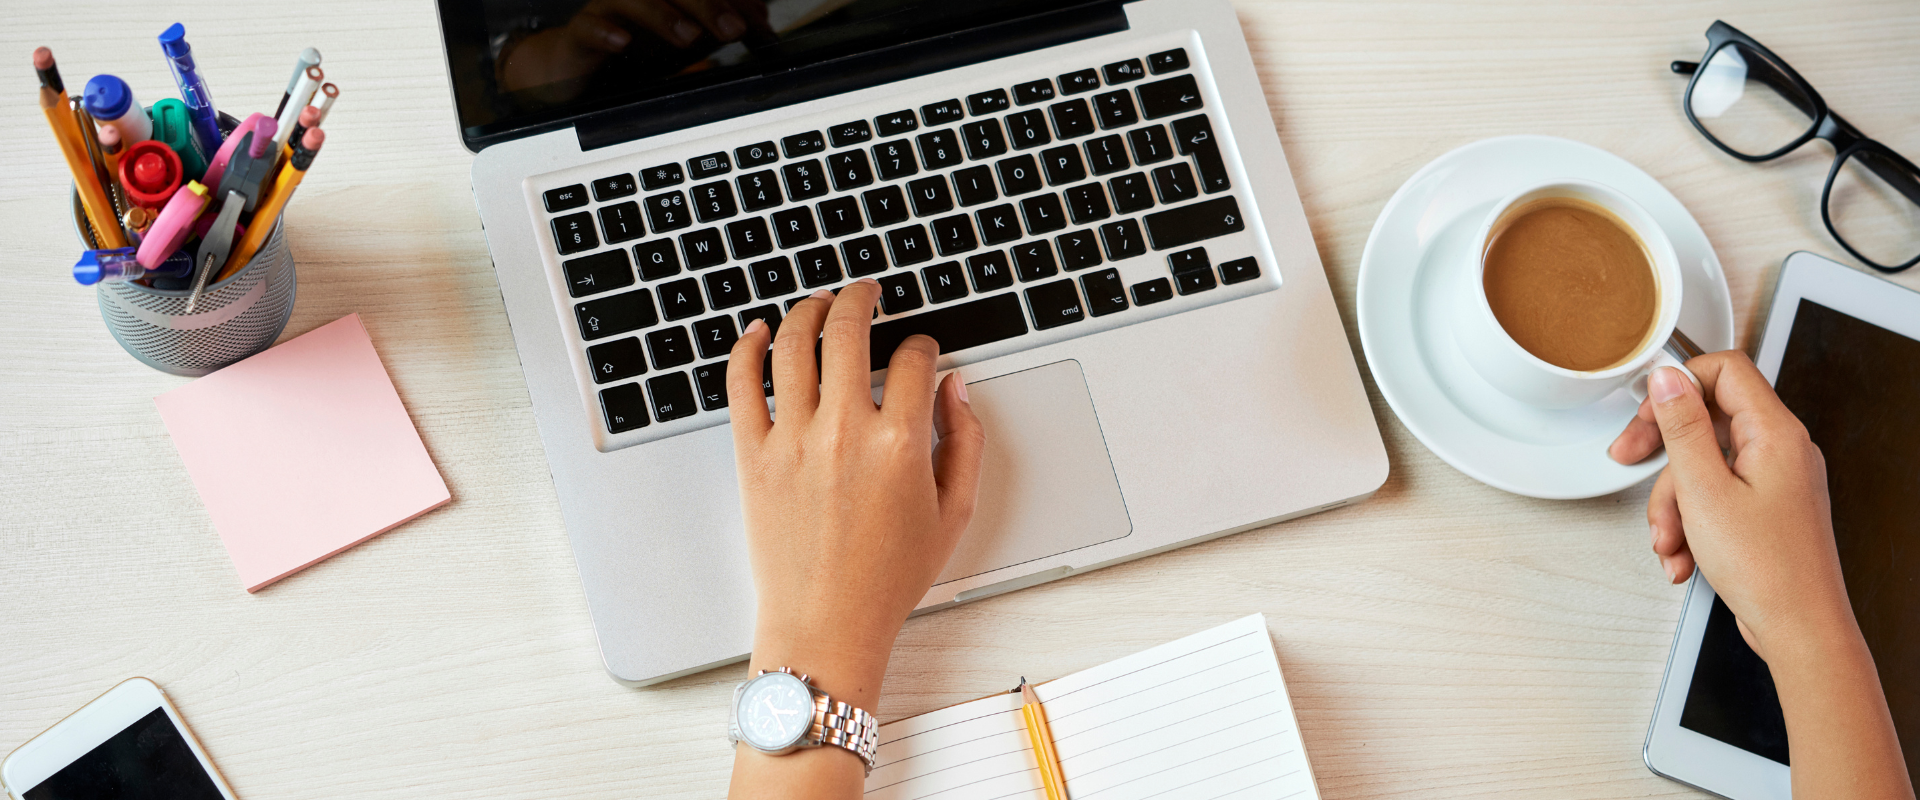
point(1185, 225)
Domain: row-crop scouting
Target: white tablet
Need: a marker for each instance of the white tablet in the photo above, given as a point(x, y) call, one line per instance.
point(128, 744)
point(1843, 350)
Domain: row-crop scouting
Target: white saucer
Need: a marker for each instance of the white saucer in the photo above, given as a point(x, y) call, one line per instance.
point(1411, 269)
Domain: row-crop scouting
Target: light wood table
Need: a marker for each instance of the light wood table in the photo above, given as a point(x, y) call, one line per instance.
point(1444, 639)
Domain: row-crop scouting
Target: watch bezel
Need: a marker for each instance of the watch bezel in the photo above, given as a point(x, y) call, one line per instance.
point(739, 713)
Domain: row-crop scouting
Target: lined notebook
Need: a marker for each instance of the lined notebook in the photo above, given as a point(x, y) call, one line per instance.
point(1206, 717)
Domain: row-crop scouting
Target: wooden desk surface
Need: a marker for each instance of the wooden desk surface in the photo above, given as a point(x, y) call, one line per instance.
point(1442, 640)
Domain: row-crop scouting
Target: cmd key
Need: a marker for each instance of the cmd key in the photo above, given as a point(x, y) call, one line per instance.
point(1193, 223)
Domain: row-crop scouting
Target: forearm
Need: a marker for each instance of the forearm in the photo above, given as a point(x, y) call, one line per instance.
point(1840, 734)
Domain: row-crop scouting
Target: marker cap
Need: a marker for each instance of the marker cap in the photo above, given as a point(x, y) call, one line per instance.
point(173, 41)
point(97, 264)
point(107, 97)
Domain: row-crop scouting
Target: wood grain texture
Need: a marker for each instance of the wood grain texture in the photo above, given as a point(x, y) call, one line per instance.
point(1442, 640)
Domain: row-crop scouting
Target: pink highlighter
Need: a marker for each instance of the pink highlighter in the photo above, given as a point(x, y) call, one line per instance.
point(175, 222)
point(254, 122)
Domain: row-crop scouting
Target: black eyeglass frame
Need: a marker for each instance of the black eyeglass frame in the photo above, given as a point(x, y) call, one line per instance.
point(1847, 141)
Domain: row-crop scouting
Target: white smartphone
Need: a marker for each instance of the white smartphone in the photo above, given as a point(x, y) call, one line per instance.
point(128, 744)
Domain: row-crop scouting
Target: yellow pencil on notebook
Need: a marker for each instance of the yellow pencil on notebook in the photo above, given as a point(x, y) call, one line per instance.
point(1042, 738)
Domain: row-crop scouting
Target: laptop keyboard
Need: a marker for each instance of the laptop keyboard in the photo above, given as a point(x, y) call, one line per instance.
point(1003, 215)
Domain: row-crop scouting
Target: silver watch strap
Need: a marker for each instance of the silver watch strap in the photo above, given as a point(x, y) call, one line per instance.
point(841, 725)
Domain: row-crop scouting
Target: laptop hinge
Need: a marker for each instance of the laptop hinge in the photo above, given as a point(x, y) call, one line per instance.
point(887, 65)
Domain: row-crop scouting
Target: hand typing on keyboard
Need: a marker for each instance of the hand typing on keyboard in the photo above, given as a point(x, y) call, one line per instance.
point(851, 508)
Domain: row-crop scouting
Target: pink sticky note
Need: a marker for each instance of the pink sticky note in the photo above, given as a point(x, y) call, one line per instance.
point(302, 451)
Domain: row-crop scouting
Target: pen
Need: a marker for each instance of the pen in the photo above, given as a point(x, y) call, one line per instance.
point(308, 58)
point(302, 94)
point(120, 264)
point(1042, 738)
point(193, 90)
point(267, 213)
point(86, 180)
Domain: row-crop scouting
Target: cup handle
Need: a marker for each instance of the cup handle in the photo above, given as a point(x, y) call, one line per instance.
point(1664, 358)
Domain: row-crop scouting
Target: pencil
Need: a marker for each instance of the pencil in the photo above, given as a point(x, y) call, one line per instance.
point(267, 212)
point(93, 197)
point(1042, 738)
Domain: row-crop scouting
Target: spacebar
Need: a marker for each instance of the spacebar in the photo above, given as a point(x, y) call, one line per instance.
point(956, 328)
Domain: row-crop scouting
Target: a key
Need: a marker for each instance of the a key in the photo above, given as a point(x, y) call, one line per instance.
point(1078, 250)
point(801, 144)
point(819, 266)
point(668, 212)
point(662, 176)
point(984, 138)
point(794, 227)
point(1146, 293)
point(614, 187)
point(1106, 155)
point(672, 396)
point(749, 238)
point(1043, 214)
point(1123, 240)
point(656, 259)
point(715, 336)
point(625, 408)
point(1194, 136)
point(850, 169)
point(620, 222)
point(974, 185)
point(1167, 61)
point(1085, 80)
point(1054, 304)
point(1105, 293)
point(1039, 91)
point(896, 123)
point(909, 245)
point(773, 278)
point(710, 382)
point(1033, 261)
point(840, 217)
point(999, 224)
point(1115, 110)
point(939, 149)
point(954, 235)
point(848, 134)
point(703, 248)
point(945, 282)
point(1150, 144)
point(709, 165)
point(600, 272)
point(863, 256)
point(1176, 95)
point(1175, 183)
point(628, 311)
point(681, 299)
point(885, 206)
point(714, 201)
point(573, 233)
point(930, 196)
point(727, 288)
point(1130, 193)
point(1188, 224)
point(616, 360)
point(754, 155)
point(1087, 203)
point(769, 314)
point(565, 198)
point(1071, 118)
point(984, 103)
point(945, 112)
point(1123, 71)
point(893, 160)
point(1028, 129)
point(1018, 175)
point(1192, 282)
point(805, 180)
point(1063, 165)
point(1194, 260)
point(759, 191)
point(900, 293)
point(990, 271)
point(956, 327)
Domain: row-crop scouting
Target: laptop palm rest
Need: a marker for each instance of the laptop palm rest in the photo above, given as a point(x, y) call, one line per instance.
point(1046, 483)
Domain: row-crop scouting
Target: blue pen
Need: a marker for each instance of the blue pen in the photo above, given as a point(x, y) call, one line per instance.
point(193, 90)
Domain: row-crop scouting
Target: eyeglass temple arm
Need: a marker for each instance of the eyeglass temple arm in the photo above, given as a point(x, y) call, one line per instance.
point(1684, 67)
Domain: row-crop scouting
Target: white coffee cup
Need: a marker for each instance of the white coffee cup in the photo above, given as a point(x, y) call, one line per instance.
point(1528, 378)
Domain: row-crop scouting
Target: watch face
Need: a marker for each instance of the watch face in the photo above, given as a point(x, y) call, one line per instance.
point(775, 711)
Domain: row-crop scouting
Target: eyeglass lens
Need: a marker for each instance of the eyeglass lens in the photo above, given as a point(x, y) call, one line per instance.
point(1746, 103)
point(1874, 206)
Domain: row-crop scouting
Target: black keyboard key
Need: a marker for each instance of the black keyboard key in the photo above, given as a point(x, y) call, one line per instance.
point(617, 360)
point(1185, 261)
point(803, 144)
point(840, 217)
point(600, 272)
point(714, 201)
point(1115, 110)
point(900, 293)
point(863, 256)
point(710, 382)
point(1039, 91)
point(749, 238)
point(1028, 129)
point(759, 191)
point(1018, 175)
point(1123, 71)
point(930, 196)
point(727, 288)
point(672, 396)
point(805, 180)
point(1188, 224)
point(769, 314)
point(954, 235)
point(1034, 260)
point(1239, 270)
point(1043, 214)
point(1087, 203)
point(1078, 250)
point(896, 123)
point(1085, 80)
point(1055, 304)
point(1175, 183)
point(1193, 282)
point(1167, 61)
point(668, 212)
point(850, 169)
point(1105, 293)
point(986, 103)
point(1146, 293)
point(573, 233)
point(754, 155)
point(1123, 240)
point(620, 222)
point(847, 134)
point(942, 113)
point(703, 248)
point(662, 176)
point(1130, 193)
point(565, 198)
point(984, 139)
point(819, 266)
point(1063, 165)
point(773, 278)
point(909, 245)
point(894, 159)
point(614, 187)
point(709, 165)
point(620, 313)
point(945, 282)
point(999, 224)
point(1071, 118)
point(939, 149)
point(1194, 136)
point(656, 259)
point(625, 408)
point(681, 299)
point(958, 327)
point(1106, 155)
point(794, 227)
point(974, 185)
point(885, 206)
point(1177, 95)
point(990, 271)
point(1150, 145)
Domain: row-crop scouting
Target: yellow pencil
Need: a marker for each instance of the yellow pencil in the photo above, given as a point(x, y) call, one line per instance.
point(1042, 738)
point(93, 196)
point(267, 212)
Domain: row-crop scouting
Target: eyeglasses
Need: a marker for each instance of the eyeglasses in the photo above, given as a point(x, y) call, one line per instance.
point(1750, 104)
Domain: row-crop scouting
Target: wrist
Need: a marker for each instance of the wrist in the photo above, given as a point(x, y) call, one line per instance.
point(847, 663)
point(1814, 638)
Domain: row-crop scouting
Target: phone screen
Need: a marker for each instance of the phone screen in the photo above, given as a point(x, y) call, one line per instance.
point(148, 760)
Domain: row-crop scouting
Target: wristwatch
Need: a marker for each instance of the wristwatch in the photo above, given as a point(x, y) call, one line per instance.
point(779, 712)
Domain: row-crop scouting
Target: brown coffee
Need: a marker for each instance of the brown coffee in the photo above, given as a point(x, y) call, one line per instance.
point(1571, 283)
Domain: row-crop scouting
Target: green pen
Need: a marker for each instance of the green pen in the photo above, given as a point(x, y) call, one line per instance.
point(174, 128)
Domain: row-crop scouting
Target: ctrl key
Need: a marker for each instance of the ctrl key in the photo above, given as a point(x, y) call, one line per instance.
point(625, 408)
point(672, 396)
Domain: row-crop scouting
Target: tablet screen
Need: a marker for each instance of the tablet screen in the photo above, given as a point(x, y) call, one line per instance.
point(1856, 386)
point(148, 760)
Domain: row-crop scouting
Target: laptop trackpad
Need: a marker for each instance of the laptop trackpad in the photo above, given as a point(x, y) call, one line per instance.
point(1046, 484)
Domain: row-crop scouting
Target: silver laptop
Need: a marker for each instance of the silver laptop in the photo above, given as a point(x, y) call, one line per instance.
point(1085, 203)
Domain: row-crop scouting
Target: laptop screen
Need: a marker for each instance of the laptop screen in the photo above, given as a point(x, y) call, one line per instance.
point(529, 64)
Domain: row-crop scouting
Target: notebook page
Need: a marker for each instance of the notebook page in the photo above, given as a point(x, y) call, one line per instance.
point(1205, 717)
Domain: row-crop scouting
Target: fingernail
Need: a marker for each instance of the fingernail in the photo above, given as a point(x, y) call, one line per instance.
point(756, 325)
point(1673, 573)
point(687, 31)
point(731, 25)
point(617, 39)
point(963, 390)
point(824, 294)
point(868, 280)
point(1665, 384)
point(1654, 534)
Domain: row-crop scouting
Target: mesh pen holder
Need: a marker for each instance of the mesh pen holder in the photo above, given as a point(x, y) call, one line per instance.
point(235, 318)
